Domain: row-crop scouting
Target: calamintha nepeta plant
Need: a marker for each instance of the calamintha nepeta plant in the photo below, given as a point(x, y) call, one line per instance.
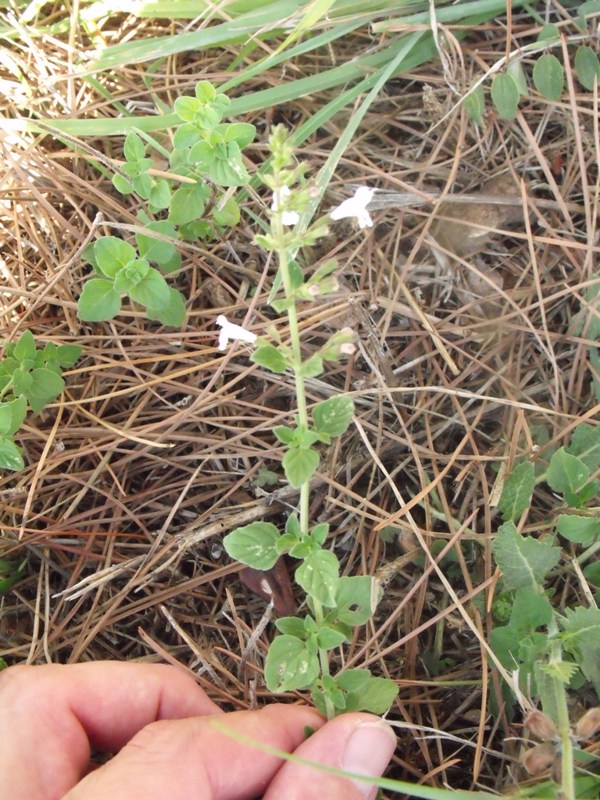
point(299, 658)
point(28, 378)
point(204, 162)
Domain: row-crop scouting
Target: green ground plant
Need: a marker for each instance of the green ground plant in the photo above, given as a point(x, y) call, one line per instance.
point(205, 159)
point(552, 649)
point(29, 378)
point(299, 658)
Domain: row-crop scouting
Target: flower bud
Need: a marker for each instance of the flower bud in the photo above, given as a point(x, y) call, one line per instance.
point(540, 725)
point(589, 725)
point(539, 759)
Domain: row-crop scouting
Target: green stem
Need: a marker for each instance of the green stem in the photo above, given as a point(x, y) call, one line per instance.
point(562, 718)
point(292, 314)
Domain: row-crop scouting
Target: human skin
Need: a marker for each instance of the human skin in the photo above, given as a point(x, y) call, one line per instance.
point(170, 740)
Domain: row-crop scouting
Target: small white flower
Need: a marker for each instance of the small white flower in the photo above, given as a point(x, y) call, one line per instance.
point(287, 217)
point(356, 207)
point(229, 330)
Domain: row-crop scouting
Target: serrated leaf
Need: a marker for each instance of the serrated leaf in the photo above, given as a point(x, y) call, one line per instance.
point(21, 381)
point(578, 529)
point(152, 291)
point(318, 575)
point(172, 313)
point(356, 599)
point(566, 473)
point(581, 638)
point(549, 77)
point(517, 491)
point(157, 250)
point(530, 610)
point(333, 416)
point(67, 354)
point(523, 560)
point(253, 545)
point(587, 67)
point(10, 455)
point(45, 387)
point(270, 358)
point(505, 96)
point(284, 434)
point(290, 665)
point(25, 347)
point(98, 301)
point(112, 254)
point(300, 464)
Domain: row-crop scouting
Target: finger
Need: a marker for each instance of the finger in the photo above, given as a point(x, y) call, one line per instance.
point(54, 712)
point(192, 758)
point(358, 743)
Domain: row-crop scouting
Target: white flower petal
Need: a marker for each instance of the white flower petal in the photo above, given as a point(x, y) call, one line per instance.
point(356, 206)
point(287, 217)
point(231, 331)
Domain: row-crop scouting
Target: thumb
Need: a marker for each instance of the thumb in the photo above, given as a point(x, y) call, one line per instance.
point(358, 743)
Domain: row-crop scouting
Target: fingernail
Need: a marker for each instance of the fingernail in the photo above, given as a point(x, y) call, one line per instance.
point(368, 752)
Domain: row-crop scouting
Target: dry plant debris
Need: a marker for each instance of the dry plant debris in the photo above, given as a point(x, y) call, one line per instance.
point(158, 446)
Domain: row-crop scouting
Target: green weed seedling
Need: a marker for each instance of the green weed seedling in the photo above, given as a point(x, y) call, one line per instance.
point(28, 378)
point(299, 657)
point(205, 160)
point(548, 74)
point(553, 649)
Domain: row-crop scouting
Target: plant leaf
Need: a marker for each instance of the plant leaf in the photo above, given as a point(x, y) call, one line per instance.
point(270, 358)
point(585, 444)
point(333, 416)
point(587, 67)
point(253, 545)
point(25, 347)
point(356, 599)
point(376, 696)
point(549, 77)
point(152, 291)
point(112, 254)
point(300, 464)
point(10, 455)
point(318, 575)
point(579, 529)
point(12, 415)
point(173, 313)
point(505, 96)
point(581, 638)
point(98, 301)
point(517, 491)
point(566, 473)
point(524, 561)
point(45, 387)
point(290, 665)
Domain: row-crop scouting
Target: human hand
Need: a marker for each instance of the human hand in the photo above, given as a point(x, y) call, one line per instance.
point(163, 729)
